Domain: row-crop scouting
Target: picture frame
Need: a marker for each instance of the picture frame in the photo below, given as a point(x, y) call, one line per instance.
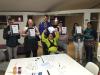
point(64, 30)
point(51, 29)
point(31, 32)
point(14, 28)
point(78, 29)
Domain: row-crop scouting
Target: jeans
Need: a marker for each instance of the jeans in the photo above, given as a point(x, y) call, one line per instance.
point(89, 53)
point(45, 48)
point(78, 49)
point(63, 45)
point(12, 52)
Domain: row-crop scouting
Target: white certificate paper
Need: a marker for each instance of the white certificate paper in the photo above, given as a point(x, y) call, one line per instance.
point(79, 29)
point(32, 32)
point(15, 29)
point(51, 29)
point(64, 30)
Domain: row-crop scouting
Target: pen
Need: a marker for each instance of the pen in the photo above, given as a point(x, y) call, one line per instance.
point(59, 65)
point(42, 59)
point(48, 72)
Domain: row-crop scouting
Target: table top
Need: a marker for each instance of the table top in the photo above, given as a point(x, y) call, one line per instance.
point(59, 64)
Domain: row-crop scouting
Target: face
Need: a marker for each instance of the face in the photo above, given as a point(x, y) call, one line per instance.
point(89, 25)
point(30, 22)
point(60, 24)
point(76, 24)
point(45, 18)
point(10, 22)
point(55, 22)
point(50, 36)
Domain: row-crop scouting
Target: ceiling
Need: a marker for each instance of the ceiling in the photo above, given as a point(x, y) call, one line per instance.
point(47, 5)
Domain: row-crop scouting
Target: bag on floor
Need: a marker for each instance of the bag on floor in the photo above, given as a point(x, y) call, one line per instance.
point(2, 55)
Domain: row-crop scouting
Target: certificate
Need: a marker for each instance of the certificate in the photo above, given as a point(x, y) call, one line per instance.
point(15, 28)
point(64, 30)
point(78, 29)
point(51, 29)
point(32, 32)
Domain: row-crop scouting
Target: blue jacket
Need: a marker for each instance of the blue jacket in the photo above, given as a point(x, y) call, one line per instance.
point(43, 26)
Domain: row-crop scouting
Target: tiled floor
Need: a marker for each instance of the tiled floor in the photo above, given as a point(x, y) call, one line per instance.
point(70, 51)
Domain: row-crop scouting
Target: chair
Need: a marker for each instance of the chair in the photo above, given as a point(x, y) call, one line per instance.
point(98, 52)
point(92, 67)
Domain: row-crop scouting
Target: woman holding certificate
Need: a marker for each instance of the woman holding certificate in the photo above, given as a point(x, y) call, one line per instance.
point(31, 35)
point(78, 41)
point(11, 35)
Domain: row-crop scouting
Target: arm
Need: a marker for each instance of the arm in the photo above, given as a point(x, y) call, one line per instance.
point(49, 24)
point(43, 37)
point(6, 33)
point(94, 34)
point(37, 31)
point(23, 32)
point(40, 28)
point(18, 36)
point(57, 35)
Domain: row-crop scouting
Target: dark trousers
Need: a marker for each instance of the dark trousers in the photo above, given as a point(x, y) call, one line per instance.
point(29, 48)
point(89, 53)
point(45, 49)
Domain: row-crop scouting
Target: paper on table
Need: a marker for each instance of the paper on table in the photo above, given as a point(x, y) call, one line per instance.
point(32, 32)
point(15, 29)
point(79, 29)
point(64, 30)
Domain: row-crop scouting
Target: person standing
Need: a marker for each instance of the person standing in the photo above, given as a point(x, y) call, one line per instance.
point(63, 39)
point(30, 40)
point(90, 36)
point(78, 39)
point(11, 40)
point(45, 24)
point(42, 26)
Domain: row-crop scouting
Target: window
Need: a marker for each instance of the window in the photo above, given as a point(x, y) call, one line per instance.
point(3, 21)
point(17, 18)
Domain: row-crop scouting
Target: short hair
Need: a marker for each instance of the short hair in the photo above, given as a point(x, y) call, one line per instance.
point(89, 22)
point(9, 19)
point(46, 15)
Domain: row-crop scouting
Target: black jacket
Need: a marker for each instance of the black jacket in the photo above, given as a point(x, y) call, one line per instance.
point(11, 40)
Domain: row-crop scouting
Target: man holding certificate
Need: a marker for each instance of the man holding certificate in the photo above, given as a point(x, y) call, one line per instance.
point(14, 28)
point(9, 34)
point(63, 39)
point(31, 35)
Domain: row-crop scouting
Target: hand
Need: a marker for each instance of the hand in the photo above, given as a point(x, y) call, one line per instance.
point(9, 32)
point(45, 30)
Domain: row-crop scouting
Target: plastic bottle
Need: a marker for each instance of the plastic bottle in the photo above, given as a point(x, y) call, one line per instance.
point(19, 70)
point(14, 70)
